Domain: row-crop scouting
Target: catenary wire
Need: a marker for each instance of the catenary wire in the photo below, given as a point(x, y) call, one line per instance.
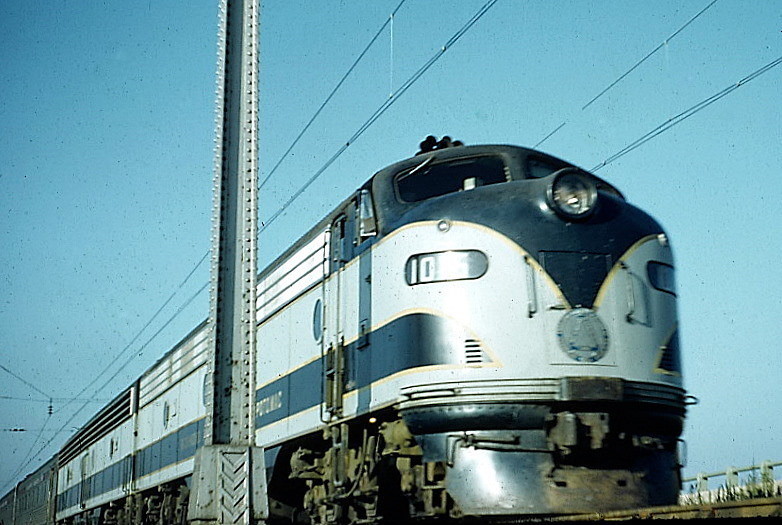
point(331, 95)
point(109, 380)
point(20, 429)
point(53, 400)
point(633, 68)
point(154, 316)
point(687, 113)
point(143, 328)
point(23, 380)
point(25, 462)
point(660, 129)
point(644, 59)
point(382, 109)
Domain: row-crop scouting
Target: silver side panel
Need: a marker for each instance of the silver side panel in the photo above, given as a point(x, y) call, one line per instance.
point(183, 361)
point(303, 269)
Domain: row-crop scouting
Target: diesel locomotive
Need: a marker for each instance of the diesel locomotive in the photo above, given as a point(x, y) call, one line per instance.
point(478, 331)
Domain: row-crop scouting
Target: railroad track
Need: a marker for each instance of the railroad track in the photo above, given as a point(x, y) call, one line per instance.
point(752, 508)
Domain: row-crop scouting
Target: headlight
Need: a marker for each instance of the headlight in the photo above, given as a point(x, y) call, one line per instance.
point(572, 194)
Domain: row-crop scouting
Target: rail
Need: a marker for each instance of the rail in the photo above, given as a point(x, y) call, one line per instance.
point(754, 508)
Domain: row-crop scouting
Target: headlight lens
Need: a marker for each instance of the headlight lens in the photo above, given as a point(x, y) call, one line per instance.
point(572, 194)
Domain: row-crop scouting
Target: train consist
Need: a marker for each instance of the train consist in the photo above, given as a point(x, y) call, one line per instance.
point(477, 331)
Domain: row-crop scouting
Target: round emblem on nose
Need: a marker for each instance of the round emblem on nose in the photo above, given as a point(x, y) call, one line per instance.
point(582, 335)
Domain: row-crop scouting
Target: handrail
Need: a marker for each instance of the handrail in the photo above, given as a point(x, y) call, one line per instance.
point(703, 475)
point(766, 485)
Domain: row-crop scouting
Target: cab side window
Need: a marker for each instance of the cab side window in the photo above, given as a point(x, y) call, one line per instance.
point(367, 224)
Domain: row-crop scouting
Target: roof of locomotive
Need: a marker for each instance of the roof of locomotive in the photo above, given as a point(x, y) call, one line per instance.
point(517, 158)
point(382, 184)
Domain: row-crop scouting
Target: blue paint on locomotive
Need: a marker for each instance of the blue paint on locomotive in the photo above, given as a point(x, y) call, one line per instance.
point(174, 448)
point(411, 341)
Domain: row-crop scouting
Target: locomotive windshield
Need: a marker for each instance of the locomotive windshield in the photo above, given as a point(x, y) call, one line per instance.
point(432, 180)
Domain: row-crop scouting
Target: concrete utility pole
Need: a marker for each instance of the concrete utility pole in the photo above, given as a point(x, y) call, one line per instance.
point(229, 480)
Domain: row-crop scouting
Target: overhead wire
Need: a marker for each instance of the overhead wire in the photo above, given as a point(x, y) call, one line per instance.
point(393, 97)
point(633, 68)
point(109, 380)
point(368, 123)
point(140, 351)
point(54, 399)
point(143, 328)
point(331, 95)
point(23, 464)
point(382, 109)
point(25, 461)
point(644, 59)
point(23, 380)
point(687, 113)
point(19, 429)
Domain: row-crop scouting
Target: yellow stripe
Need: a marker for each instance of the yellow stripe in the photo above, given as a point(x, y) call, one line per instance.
point(435, 313)
point(493, 359)
point(660, 354)
point(617, 266)
point(289, 371)
point(497, 235)
point(547, 279)
point(353, 393)
point(287, 418)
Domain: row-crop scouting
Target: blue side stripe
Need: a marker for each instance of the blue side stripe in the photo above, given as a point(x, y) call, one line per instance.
point(176, 447)
point(411, 341)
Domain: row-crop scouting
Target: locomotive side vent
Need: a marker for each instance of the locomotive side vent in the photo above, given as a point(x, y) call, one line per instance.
point(112, 416)
point(473, 353)
point(667, 361)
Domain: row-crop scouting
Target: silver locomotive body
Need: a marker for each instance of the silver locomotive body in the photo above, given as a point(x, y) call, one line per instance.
point(131, 463)
point(479, 331)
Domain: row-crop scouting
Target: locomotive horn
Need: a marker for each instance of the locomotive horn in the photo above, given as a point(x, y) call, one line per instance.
point(431, 143)
point(427, 144)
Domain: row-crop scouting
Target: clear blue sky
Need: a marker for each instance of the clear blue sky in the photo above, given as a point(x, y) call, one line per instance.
point(106, 154)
